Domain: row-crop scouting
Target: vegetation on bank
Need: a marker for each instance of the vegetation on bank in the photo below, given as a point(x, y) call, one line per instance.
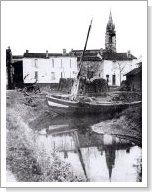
point(28, 160)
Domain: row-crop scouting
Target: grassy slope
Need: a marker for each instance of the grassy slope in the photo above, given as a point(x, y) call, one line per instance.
point(28, 160)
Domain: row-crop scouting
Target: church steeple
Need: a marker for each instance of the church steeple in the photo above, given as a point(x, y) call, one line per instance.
point(110, 39)
point(110, 18)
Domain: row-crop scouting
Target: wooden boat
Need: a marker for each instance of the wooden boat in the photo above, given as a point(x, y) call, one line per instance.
point(62, 105)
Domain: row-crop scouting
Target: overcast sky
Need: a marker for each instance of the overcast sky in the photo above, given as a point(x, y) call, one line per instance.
point(47, 25)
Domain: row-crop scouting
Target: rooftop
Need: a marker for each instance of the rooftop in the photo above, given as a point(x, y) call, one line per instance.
point(17, 57)
point(117, 56)
point(44, 55)
point(99, 54)
point(134, 71)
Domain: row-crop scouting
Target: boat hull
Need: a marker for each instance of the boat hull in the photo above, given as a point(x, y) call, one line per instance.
point(62, 106)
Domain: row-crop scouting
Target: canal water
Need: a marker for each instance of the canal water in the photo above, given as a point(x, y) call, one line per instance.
point(95, 156)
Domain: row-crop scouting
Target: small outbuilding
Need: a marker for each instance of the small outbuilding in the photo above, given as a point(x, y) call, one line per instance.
point(134, 79)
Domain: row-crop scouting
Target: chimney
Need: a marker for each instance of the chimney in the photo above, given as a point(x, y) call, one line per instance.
point(47, 54)
point(71, 52)
point(64, 51)
point(27, 51)
point(129, 54)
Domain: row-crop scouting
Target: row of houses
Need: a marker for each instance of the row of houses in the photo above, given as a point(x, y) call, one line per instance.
point(42, 68)
point(47, 68)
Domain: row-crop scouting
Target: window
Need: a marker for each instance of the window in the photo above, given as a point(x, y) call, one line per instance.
point(52, 76)
point(36, 76)
point(52, 63)
point(110, 39)
point(61, 75)
point(35, 63)
point(113, 79)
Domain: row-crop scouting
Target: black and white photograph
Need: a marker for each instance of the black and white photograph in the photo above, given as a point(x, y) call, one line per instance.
point(74, 93)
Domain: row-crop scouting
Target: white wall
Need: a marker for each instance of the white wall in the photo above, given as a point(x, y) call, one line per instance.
point(45, 68)
point(110, 68)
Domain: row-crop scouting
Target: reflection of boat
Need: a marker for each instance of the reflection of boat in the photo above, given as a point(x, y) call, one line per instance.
point(65, 106)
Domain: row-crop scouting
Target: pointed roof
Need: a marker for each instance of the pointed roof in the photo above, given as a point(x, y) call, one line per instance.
point(110, 24)
point(110, 18)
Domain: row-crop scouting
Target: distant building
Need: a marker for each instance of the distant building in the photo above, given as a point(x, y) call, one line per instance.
point(107, 63)
point(134, 79)
point(42, 68)
point(47, 67)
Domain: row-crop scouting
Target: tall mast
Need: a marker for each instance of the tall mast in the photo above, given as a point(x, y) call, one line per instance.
point(75, 87)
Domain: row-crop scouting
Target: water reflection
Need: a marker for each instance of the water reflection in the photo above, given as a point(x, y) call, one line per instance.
point(99, 157)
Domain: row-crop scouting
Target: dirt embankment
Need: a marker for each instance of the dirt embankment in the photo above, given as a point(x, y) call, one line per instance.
point(26, 158)
point(127, 124)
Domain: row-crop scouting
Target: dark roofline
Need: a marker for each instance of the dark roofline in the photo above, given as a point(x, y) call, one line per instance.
point(17, 56)
point(87, 50)
point(106, 55)
point(134, 71)
point(139, 63)
point(95, 58)
point(44, 55)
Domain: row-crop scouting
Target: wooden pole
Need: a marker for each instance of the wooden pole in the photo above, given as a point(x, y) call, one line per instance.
point(75, 87)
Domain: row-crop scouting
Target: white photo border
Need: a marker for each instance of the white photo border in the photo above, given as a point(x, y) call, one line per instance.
point(74, 184)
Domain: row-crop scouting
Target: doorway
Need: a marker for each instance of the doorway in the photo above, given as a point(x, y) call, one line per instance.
point(113, 79)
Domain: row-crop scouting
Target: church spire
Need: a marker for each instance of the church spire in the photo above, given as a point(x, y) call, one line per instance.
point(110, 40)
point(110, 18)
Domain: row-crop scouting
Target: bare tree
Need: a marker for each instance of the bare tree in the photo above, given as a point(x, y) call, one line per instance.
point(89, 68)
point(121, 67)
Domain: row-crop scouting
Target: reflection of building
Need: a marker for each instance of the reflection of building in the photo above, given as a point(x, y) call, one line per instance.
point(107, 63)
point(70, 143)
point(110, 153)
